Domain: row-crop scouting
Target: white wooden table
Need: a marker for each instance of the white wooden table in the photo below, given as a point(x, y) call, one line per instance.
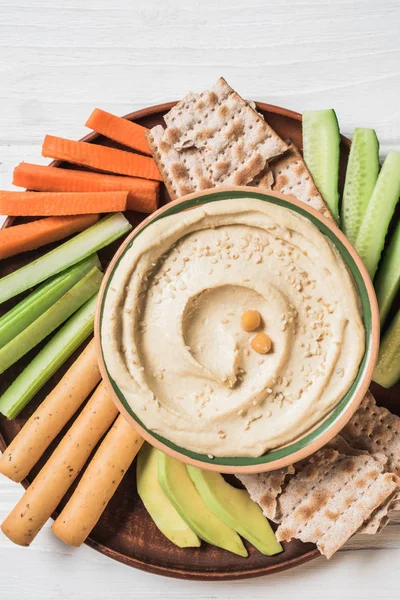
point(57, 64)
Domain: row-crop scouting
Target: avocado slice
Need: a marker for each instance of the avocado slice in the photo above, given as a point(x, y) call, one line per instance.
point(156, 502)
point(180, 490)
point(236, 509)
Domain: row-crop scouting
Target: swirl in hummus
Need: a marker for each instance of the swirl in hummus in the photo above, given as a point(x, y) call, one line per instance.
point(171, 334)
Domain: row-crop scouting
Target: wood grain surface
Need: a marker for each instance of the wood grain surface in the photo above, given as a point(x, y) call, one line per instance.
point(60, 60)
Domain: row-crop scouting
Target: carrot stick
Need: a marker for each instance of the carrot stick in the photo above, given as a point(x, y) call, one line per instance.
point(101, 158)
point(98, 484)
point(50, 485)
point(120, 130)
point(51, 416)
point(142, 193)
point(30, 236)
point(32, 204)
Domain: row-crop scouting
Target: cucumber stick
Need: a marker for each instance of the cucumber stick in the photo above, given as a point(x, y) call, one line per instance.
point(387, 281)
point(33, 306)
point(321, 145)
point(387, 370)
point(50, 319)
point(361, 175)
point(371, 237)
point(71, 335)
point(71, 252)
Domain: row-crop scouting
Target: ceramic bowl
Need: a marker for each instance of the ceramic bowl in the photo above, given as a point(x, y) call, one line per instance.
point(326, 429)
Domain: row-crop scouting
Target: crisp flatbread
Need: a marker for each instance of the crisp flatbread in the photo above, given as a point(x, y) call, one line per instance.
point(264, 488)
point(380, 517)
point(375, 429)
point(212, 139)
point(290, 176)
point(328, 500)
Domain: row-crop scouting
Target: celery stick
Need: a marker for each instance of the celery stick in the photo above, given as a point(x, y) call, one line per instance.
point(34, 305)
point(51, 319)
point(387, 370)
point(49, 359)
point(74, 250)
point(387, 281)
point(371, 237)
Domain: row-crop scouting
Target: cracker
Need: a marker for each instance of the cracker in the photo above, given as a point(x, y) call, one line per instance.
point(264, 488)
point(380, 517)
point(330, 498)
point(212, 139)
point(375, 429)
point(292, 178)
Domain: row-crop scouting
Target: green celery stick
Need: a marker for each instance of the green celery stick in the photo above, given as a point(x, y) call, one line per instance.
point(361, 175)
point(387, 281)
point(71, 335)
point(371, 237)
point(51, 319)
point(30, 308)
point(71, 252)
point(387, 370)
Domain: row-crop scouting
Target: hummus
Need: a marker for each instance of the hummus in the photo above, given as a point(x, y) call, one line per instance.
point(173, 343)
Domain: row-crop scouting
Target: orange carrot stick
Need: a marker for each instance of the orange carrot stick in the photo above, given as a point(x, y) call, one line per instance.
point(33, 204)
point(30, 236)
point(120, 130)
point(142, 193)
point(101, 158)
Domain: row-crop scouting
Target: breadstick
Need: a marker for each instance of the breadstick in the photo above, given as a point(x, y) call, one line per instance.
point(98, 484)
point(51, 416)
point(48, 488)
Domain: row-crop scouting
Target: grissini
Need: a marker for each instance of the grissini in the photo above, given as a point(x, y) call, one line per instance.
point(48, 488)
point(98, 484)
point(51, 416)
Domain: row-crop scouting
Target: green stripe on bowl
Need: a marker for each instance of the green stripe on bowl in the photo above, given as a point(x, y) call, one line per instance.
point(243, 461)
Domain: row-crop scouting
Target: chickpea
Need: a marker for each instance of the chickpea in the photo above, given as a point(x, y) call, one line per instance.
point(250, 320)
point(261, 343)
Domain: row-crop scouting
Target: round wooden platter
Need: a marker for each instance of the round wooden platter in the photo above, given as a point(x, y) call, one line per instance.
point(125, 531)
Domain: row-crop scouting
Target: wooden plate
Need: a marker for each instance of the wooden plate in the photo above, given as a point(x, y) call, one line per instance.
point(125, 531)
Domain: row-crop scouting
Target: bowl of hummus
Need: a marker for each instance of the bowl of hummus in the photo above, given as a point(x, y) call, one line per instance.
point(237, 330)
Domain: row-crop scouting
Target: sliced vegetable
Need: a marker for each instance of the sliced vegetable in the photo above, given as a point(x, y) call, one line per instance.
point(361, 175)
point(387, 281)
point(51, 416)
point(142, 193)
point(23, 314)
point(67, 254)
point(387, 370)
point(235, 508)
point(181, 492)
point(71, 335)
point(101, 158)
point(29, 236)
point(42, 204)
point(60, 471)
point(321, 143)
point(98, 484)
point(371, 237)
point(51, 319)
point(120, 130)
point(164, 515)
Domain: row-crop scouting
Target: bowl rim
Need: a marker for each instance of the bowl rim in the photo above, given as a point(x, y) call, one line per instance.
point(353, 397)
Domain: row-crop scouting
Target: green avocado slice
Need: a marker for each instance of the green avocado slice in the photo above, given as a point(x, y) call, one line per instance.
point(236, 509)
point(181, 492)
point(164, 515)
